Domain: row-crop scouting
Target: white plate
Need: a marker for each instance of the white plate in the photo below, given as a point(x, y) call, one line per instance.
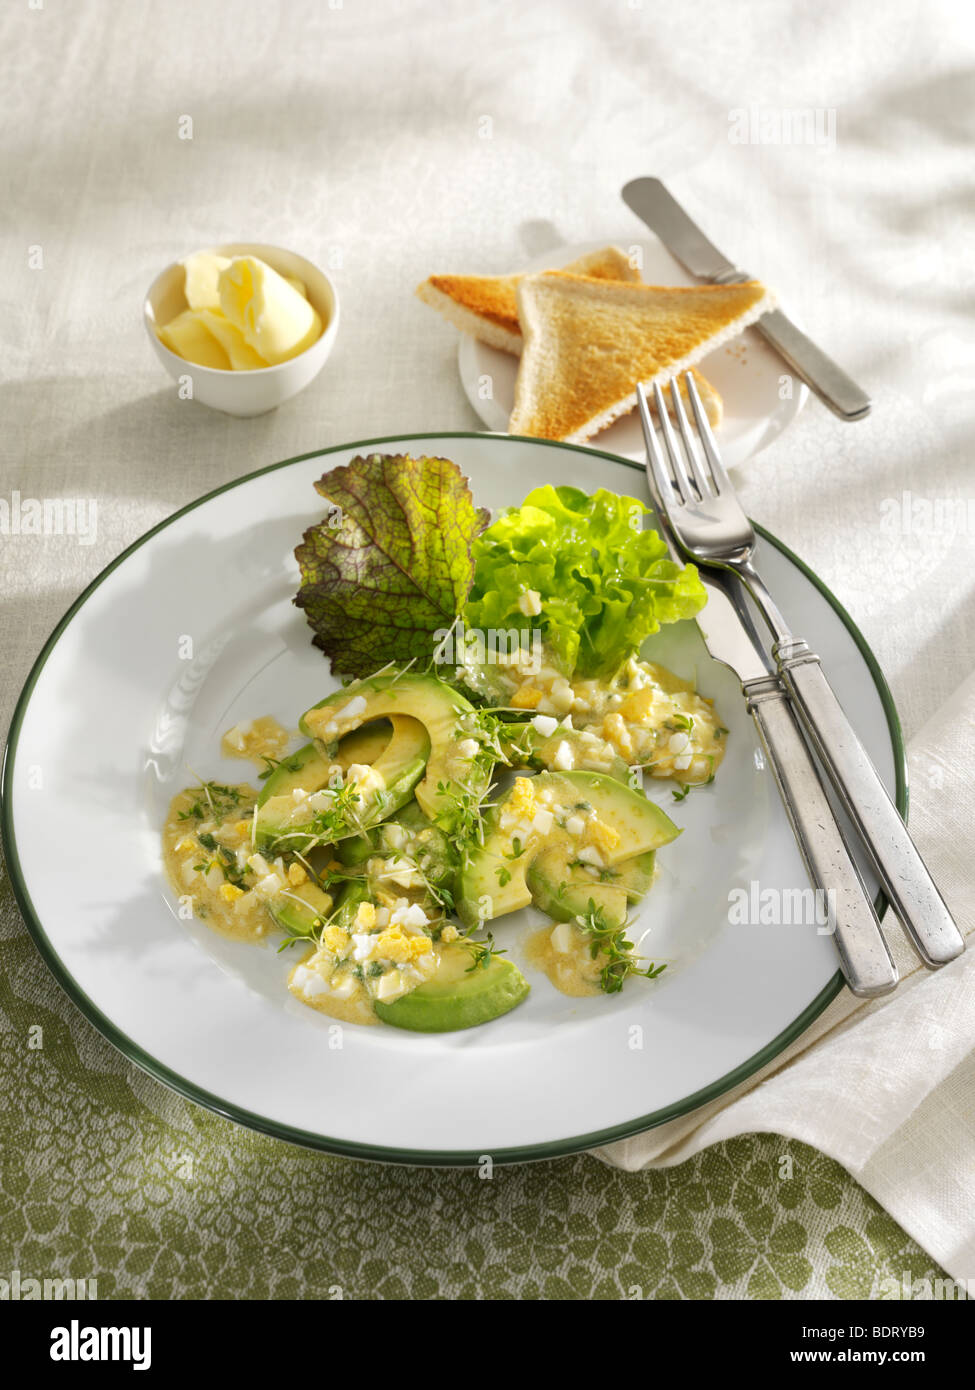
point(761, 397)
point(111, 720)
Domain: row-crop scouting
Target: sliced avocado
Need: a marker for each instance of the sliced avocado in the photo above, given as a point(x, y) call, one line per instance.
point(303, 910)
point(564, 889)
point(305, 768)
point(360, 847)
point(356, 849)
point(524, 746)
point(401, 764)
point(308, 767)
point(354, 892)
point(494, 880)
point(448, 718)
point(457, 996)
point(365, 744)
point(406, 833)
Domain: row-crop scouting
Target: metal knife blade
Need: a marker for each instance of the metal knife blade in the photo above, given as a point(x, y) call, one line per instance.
point(728, 631)
point(725, 624)
point(654, 205)
point(662, 213)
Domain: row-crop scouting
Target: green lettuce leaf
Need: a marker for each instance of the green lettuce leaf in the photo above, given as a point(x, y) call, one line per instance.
point(391, 562)
point(605, 583)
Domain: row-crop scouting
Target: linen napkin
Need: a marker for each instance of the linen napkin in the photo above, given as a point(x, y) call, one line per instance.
point(886, 1087)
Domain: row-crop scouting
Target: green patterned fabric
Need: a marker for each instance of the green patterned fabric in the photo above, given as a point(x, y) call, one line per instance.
point(106, 1175)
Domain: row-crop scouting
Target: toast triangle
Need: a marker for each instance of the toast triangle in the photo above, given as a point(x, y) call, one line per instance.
point(486, 306)
point(589, 341)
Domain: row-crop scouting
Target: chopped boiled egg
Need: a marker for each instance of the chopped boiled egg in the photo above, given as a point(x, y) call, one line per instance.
point(365, 917)
point(335, 938)
point(561, 938)
point(527, 697)
point(602, 835)
point(343, 986)
point(408, 915)
point(522, 799)
point(564, 760)
point(365, 778)
point(270, 885)
point(530, 603)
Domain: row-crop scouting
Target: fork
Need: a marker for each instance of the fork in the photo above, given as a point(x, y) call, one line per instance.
point(711, 527)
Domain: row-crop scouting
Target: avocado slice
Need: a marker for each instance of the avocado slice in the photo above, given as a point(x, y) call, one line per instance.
point(448, 718)
point(564, 890)
point(458, 997)
point(418, 839)
point(494, 881)
point(354, 892)
point(308, 767)
point(304, 768)
point(360, 847)
point(301, 918)
point(524, 746)
point(401, 763)
point(365, 744)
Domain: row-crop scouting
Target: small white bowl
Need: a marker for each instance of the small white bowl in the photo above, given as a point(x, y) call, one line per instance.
point(255, 392)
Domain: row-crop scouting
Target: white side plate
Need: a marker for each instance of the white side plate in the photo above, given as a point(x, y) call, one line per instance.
point(761, 397)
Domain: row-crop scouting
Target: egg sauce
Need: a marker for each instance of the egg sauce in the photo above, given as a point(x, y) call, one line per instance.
point(255, 740)
point(202, 871)
point(572, 972)
point(645, 715)
point(198, 871)
point(208, 840)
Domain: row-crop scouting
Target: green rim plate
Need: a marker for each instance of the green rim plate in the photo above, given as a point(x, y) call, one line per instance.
point(555, 1149)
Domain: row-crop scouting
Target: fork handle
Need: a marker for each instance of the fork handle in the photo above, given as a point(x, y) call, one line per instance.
point(900, 868)
point(866, 962)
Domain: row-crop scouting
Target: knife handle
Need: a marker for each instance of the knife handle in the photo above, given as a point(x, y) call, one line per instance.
point(820, 373)
point(903, 874)
point(864, 958)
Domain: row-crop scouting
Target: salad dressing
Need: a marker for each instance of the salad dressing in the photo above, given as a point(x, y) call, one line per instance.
point(572, 972)
point(199, 873)
point(255, 740)
point(357, 1009)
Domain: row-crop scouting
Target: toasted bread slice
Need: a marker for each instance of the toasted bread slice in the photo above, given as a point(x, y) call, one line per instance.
point(710, 399)
point(588, 342)
point(486, 306)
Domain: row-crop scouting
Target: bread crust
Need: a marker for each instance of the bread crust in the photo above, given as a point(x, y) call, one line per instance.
point(486, 306)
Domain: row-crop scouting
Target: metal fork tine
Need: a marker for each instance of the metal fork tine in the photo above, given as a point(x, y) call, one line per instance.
point(674, 454)
point(690, 448)
point(720, 480)
point(658, 464)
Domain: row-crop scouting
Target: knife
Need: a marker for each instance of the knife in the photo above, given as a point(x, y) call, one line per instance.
point(651, 202)
point(730, 636)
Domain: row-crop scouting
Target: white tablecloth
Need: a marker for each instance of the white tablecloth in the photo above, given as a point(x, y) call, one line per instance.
point(389, 141)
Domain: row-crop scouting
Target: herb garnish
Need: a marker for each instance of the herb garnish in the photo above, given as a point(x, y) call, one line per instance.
point(482, 951)
point(215, 802)
point(611, 943)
